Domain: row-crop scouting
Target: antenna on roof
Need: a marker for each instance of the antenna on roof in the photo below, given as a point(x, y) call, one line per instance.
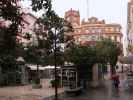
point(87, 4)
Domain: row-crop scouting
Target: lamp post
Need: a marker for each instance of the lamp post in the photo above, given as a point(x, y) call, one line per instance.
point(55, 64)
point(56, 31)
point(55, 59)
point(122, 68)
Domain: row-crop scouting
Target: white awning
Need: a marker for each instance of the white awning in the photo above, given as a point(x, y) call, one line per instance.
point(126, 59)
point(34, 67)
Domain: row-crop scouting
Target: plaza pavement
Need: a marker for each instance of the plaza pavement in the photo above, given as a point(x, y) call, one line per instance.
point(107, 92)
point(47, 93)
point(27, 92)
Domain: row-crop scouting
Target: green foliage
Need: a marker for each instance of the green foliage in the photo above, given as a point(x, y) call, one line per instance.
point(33, 55)
point(81, 55)
point(52, 34)
point(84, 57)
point(108, 51)
point(9, 13)
point(41, 4)
point(11, 72)
point(53, 82)
point(47, 25)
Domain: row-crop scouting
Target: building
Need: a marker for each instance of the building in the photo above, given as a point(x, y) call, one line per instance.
point(130, 26)
point(28, 26)
point(90, 31)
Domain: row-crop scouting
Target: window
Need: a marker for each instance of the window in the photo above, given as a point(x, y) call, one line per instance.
point(115, 38)
point(117, 29)
point(86, 31)
point(93, 37)
point(109, 37)
point(68, 18)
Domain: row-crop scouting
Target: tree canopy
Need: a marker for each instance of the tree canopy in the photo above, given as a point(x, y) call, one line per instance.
point(85, 56)
point(49, 30)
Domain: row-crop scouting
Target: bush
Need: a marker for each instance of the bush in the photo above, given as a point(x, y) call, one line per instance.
point(36, 86)
point(53, 83)
point(10, 79)
point(36, 83)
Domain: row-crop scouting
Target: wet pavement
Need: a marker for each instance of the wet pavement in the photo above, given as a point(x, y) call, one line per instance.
point(107, 92)
point(104, 93)
point(27, 92)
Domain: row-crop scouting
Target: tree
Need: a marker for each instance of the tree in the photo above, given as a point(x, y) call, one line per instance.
point(9, 12)
point(83, 57)
point(49, 32)
point(108, 52)
point(55, 28)
point(50, 29)
point(10, 15)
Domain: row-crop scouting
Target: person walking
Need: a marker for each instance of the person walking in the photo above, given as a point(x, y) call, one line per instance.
point(116, 81)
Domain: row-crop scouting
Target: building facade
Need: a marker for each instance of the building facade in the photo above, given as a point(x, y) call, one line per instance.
point(28, 24)
point(92, 30)
point(130, 27)
point(28, 27)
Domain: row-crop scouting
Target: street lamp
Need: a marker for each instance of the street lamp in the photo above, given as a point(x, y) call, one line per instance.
point(55, 64)
point(55, 59)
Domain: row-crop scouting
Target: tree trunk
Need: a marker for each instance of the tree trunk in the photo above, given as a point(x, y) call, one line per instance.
point(113, 71)
point(38, 76)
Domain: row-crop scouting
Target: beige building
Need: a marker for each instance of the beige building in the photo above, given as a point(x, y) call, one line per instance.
point(90, 31)
point(130, 26)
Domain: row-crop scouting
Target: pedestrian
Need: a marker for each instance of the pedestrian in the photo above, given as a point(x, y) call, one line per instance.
point(116, 81)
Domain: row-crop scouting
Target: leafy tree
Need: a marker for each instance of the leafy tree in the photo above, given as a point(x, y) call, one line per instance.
point(46, 27)
point(9, 14)
point(84, 57)
point(53, 35)
point(108, 52)
point(49, 32)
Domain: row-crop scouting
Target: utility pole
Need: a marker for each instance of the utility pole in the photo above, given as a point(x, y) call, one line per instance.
point(87, 8)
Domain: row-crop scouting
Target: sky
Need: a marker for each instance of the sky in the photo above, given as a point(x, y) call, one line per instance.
point(112, 11)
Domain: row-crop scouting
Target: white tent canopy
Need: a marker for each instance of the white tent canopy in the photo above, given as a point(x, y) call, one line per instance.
point(126, 59)
point(34, 67)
